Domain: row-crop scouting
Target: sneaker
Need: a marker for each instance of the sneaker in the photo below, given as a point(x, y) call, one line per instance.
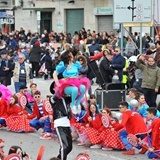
point(95, 146)
point(107, 148)
point(144, 149)
point(80, 144)
point(46, 136)
point(129, 152)
point(42, 133)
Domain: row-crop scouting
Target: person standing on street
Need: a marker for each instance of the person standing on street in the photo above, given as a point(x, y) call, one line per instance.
point(150, 79)
point(6, 68)
point(61, 117)
point(22, 73)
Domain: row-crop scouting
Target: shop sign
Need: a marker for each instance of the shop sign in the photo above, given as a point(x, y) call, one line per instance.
point(103, 11)
point(59, 25)
point(6, 21)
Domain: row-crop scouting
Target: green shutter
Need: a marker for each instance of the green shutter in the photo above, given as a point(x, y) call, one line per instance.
point(74, 20)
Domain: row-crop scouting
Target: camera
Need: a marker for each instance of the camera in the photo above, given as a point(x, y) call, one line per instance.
point(24, 154)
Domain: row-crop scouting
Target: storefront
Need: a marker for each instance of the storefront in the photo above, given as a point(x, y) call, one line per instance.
point(104, 19)
point(6, 22)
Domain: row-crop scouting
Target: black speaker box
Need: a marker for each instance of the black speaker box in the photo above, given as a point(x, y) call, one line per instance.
point(110, 98)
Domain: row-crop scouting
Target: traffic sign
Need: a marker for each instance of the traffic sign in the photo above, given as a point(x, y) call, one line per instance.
point(131, 11)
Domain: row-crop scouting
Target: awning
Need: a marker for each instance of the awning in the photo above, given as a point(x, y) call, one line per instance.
point(39, 9)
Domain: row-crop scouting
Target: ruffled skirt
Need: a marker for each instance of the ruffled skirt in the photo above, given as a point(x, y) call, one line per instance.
point(71, 82)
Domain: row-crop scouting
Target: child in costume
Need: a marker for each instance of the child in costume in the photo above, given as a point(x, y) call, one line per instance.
point(17, 121)
point(111, 139)
point(154, 135)
point(78, 122)
point(1, 149)
point(141, 107)
point(70, 85)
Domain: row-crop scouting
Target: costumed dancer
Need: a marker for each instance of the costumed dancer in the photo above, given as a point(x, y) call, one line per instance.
point(70, 85)
point(111, 140)
point(154, 135)
point(61, 118)
point(41, 111)
point(78, 122)
point(30, 95)
point(141, 108)
point(134, 124)
point(17, 121)
point(95, 126)
point(3, 111)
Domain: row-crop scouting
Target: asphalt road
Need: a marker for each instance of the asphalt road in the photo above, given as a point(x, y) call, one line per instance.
point(30, 142)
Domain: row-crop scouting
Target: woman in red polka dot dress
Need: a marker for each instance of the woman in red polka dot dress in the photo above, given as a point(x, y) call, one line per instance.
point(17, 120)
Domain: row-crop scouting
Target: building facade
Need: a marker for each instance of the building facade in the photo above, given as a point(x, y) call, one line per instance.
point(61, 16)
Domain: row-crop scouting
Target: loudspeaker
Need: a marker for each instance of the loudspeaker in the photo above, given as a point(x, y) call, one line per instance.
point(94, 67)
point(110, 98)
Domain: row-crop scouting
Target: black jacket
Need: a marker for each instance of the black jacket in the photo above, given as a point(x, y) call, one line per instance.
point(59, 110)
point(106, 70)
point(35, 54)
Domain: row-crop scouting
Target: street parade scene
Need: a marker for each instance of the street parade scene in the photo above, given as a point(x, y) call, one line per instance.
point(79, 80)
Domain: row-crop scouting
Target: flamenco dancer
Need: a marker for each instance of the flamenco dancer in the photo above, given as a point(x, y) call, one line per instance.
point(70, 84)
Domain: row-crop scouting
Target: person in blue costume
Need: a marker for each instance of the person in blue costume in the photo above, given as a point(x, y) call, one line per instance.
point(70, 84)
point(140, 107)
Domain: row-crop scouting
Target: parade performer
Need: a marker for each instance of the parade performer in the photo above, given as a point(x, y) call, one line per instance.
point(3, 111)
point(41, 111)
point(30, 95)
point(154, 136)
point(70, 85)
point(78, 122)
point(134, 124)
point(61, 117)
point(17, 121)
point(110, 140)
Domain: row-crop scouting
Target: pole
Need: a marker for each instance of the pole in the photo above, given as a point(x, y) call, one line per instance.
point(141, 38)
point(122, 39)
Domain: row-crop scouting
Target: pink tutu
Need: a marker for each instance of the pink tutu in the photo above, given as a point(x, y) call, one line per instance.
point(6, 92)
point(71, 82)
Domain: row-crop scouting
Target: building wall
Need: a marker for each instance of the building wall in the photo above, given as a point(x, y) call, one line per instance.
point(28, 19)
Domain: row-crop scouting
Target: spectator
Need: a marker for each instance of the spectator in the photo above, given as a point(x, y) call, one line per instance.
point(118, 62)
point(22, 73)
point(150, 80)
point(6, 67)
point(94, 47)
point(12, 43)
point(130, 47)
point(34, 58)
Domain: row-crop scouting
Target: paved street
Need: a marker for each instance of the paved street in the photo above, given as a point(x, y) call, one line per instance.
point(30, 142)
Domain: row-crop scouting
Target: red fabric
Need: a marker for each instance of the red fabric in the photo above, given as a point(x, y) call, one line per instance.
point(92, 132)
point(36, 112)
point(112, 139)
point(98, 56)
point(3, 109)
point(85, 119)
point(16, 121)
point(37, 43)
point(133, 122)
point(156, 134)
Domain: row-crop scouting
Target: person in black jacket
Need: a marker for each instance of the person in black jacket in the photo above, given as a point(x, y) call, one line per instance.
point(61, 117)
point(105, 68)
point(48, 65)
point(34, 57)
point(6, 67)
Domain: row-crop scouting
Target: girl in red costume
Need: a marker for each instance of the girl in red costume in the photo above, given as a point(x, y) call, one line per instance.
point(111, 139)
point(17, 120)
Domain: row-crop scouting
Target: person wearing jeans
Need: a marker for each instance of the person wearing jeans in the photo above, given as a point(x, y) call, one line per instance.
point(22, 73)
